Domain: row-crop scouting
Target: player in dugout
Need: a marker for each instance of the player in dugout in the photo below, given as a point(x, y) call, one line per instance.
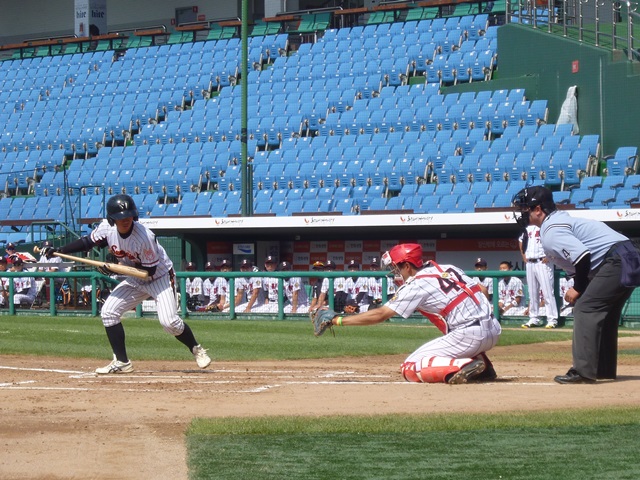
point(452, 301)
point(134, 245)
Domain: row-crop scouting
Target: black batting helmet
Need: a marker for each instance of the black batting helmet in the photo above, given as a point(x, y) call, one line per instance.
point(119, 207)
point(47, 243)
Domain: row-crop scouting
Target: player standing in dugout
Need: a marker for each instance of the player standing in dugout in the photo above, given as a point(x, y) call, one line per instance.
point(134, 245)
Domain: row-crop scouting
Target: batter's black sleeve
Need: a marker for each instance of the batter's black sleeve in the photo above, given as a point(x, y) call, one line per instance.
point(83, 244)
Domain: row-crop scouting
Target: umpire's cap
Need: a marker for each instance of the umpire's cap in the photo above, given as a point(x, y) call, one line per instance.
point(119, 207)
point(531, 197)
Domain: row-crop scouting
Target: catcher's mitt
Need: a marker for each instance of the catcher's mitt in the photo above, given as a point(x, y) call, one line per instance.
point(321, 319)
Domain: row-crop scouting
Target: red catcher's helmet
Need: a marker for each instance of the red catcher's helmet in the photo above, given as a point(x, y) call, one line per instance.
point(407, 252)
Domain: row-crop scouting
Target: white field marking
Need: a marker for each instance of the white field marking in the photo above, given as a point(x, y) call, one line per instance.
point(74, 389)
point(13, 384)
point(51, 370)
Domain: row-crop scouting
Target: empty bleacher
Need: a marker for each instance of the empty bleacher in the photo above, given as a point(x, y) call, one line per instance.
point(353, 122)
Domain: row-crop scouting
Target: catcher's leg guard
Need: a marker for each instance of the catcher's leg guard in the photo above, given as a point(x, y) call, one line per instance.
point(435, 369)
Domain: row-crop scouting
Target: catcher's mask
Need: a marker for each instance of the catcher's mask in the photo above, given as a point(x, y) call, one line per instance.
point(119, 207)
point(528, 199)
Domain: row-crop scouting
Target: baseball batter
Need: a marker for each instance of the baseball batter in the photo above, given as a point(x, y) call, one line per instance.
point(453, 303)
point(135, 245)
point(539, 278)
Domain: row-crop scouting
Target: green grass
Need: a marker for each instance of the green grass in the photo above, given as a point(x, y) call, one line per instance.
point(238, 340)
point(547, 445)
point(541, 445)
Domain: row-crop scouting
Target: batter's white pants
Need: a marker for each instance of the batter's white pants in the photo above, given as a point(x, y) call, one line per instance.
point(128, 295)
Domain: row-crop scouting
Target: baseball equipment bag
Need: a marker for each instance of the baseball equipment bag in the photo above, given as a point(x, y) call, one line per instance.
point(321, 319)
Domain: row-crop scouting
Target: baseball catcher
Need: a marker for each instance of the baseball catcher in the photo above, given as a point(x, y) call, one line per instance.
point(452, 301)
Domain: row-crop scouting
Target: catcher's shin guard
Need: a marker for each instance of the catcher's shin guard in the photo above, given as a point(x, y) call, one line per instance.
point(434, 369)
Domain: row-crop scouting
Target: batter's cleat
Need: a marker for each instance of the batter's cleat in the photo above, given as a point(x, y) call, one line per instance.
point(116, 366)
point(551, 325)
point(200, 354)
point(531, 324)
point(469, 372)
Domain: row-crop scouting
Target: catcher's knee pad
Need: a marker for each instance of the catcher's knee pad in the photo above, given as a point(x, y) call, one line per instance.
point(433, 369)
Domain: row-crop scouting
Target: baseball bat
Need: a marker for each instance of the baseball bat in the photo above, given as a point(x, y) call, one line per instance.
point(114, 267)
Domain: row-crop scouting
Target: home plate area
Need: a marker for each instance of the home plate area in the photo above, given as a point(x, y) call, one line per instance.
point(244, 378)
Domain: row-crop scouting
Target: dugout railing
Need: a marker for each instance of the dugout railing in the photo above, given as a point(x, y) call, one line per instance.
point(78, 279)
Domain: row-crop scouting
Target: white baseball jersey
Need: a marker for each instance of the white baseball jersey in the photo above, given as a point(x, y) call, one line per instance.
point(511, 292)
point(445, 295)
point(539, 276)
point(565, 285)
point(216, 289)
point(339, 285)
point(194, 286)
point(292, 285)
point(140, 248)
point(270, 285)
point(25, 290)
point(53, 261)
point(487, 282)
point(254, 284)
point(240, 285)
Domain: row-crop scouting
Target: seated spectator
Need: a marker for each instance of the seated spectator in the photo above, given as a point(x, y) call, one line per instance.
point(485, 283)
point(316, 286)
point(297, 299)
point(511, 293)
point(24, 287)
point(567, 308)
point(194, 287)
point(217, 292)
point(339, 293)
point(255, 293)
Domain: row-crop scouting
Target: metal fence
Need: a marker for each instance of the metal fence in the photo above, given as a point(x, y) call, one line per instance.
point(630, 317)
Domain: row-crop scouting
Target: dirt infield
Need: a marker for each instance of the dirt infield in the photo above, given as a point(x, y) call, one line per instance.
point(59, 420)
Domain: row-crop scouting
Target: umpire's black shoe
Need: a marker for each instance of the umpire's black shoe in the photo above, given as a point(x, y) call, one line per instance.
point(572, 377)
